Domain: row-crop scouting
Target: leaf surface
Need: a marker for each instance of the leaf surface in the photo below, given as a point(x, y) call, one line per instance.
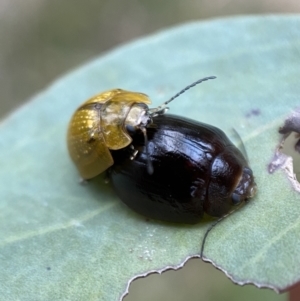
point(60, 240)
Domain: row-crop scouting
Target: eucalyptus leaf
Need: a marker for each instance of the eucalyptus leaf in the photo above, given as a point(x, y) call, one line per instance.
point(60, 240)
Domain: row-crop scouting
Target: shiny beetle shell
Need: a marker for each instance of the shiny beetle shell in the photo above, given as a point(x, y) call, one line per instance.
point(196, 169)
point(106, 122)
point(100, 125)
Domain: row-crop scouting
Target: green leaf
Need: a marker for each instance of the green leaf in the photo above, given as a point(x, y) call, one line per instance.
point(60, 240)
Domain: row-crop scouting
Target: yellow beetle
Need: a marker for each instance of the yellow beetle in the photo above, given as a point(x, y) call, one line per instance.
point(101, 124)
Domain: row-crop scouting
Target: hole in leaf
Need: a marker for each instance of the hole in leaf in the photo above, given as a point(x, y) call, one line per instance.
point(196, 281)
point(291, 147)
point(287, 154)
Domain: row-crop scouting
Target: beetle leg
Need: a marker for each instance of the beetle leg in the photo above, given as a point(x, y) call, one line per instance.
point(134, 152)
point(83, 181)
point(149, 163)
point(106, 178)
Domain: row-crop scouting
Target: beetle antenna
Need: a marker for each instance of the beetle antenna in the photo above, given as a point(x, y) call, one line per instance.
point(163, 108)
point(150, 169)
point(188, 87)
point(211, 227)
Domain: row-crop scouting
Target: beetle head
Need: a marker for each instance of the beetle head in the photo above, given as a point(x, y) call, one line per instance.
point(246, 187)
point(137, 118)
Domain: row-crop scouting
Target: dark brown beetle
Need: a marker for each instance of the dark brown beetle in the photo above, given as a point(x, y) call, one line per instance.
point(196, 169)
point(162, 166)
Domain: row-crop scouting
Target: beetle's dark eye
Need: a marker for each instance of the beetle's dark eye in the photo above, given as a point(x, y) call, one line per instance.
point(248, 171)
point(236, 199)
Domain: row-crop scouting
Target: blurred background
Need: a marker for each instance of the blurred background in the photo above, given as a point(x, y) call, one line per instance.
point(42, 39)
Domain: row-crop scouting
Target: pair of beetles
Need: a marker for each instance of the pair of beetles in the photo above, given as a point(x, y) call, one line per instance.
point(163, 166)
